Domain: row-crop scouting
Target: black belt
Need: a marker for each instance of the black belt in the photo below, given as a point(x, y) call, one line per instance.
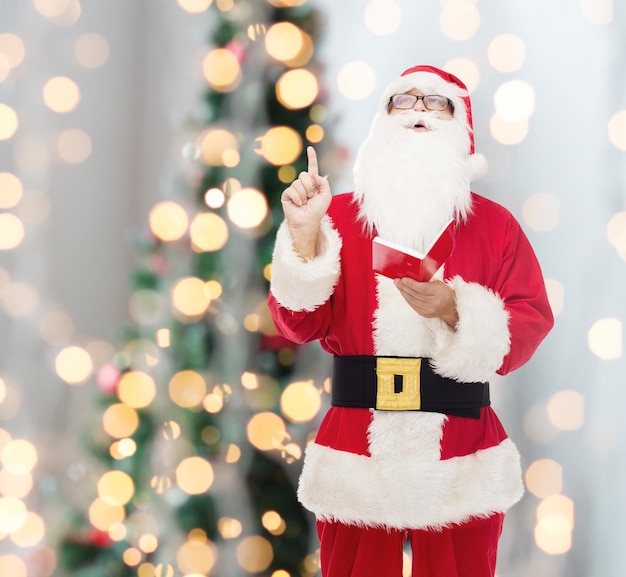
point(403, 384)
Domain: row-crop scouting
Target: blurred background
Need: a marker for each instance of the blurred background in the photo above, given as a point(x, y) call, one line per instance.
point(151, 421)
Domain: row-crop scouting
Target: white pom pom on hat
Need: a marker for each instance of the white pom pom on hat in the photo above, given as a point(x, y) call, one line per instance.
point(476, 166)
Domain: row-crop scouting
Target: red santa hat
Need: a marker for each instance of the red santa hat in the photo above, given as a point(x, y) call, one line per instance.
point(431, 80)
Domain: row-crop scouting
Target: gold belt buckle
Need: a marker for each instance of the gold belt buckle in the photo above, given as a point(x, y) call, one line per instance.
point(409, 399)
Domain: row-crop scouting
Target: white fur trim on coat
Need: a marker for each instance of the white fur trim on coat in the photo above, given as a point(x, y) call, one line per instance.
point(475, 350)
point(398, 329)
point(304, 285)
point(417, 493)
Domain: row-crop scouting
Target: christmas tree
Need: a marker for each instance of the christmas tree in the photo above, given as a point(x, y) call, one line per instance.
point(203, 419)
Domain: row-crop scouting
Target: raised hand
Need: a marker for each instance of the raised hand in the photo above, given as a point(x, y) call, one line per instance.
point(304, 203)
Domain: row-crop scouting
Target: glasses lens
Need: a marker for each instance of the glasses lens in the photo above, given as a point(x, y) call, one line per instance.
point(436, 102)
point(403, 101)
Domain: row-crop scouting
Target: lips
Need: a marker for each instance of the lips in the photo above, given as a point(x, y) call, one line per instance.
point(416, 121)
point(420, 126)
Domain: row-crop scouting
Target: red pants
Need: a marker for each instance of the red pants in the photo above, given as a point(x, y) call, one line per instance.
point(464, 550)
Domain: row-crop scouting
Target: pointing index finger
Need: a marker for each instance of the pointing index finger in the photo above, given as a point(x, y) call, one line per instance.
point(312, 158)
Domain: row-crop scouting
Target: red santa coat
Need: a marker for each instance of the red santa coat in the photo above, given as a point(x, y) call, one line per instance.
point(411, 469)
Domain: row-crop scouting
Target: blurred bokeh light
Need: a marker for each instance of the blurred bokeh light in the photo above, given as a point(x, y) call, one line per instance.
point(222, 70)
point(356, 80)
point(542, 211)
point(247, 208)
point(92, 50)
point(383, 17)
point(190, 297)
point(61, 94)
point(8, 122)
point(74, 146)
point(194, 475)
point(168, 220)
point(605, 338)
point(11, 190)
point(297, 88)
point(136, 389)
point(597, 11)
point(12, 49)
point(195, 6)
point(280, 145)
point(507, 53)
point(460, 19)
point(74, 365)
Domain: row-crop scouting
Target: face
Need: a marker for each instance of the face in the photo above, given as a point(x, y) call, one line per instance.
point(409, 185)
point(419, 106)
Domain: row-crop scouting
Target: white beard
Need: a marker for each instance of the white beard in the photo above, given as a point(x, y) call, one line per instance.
point(411, 184)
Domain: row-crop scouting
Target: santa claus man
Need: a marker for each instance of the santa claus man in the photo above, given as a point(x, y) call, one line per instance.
point(428, 461)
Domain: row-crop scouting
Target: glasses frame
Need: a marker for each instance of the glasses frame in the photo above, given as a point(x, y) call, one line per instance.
point(423, 99)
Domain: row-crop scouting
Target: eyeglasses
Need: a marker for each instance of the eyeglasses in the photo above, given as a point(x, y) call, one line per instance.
point(408, 101)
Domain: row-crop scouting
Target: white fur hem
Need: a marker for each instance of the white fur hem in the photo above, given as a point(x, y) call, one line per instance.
point(304, 285)
point(411, 492)
point(475, 350)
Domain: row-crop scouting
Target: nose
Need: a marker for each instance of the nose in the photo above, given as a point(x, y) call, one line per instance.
point(419, 105)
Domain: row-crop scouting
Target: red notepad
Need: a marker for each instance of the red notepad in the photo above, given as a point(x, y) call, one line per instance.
point(396, 261)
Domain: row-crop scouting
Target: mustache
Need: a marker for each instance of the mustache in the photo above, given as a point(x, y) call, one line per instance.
point(431, 120)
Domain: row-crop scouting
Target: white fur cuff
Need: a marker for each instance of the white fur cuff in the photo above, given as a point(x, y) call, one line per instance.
point(475, 351)
point(304, 285)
